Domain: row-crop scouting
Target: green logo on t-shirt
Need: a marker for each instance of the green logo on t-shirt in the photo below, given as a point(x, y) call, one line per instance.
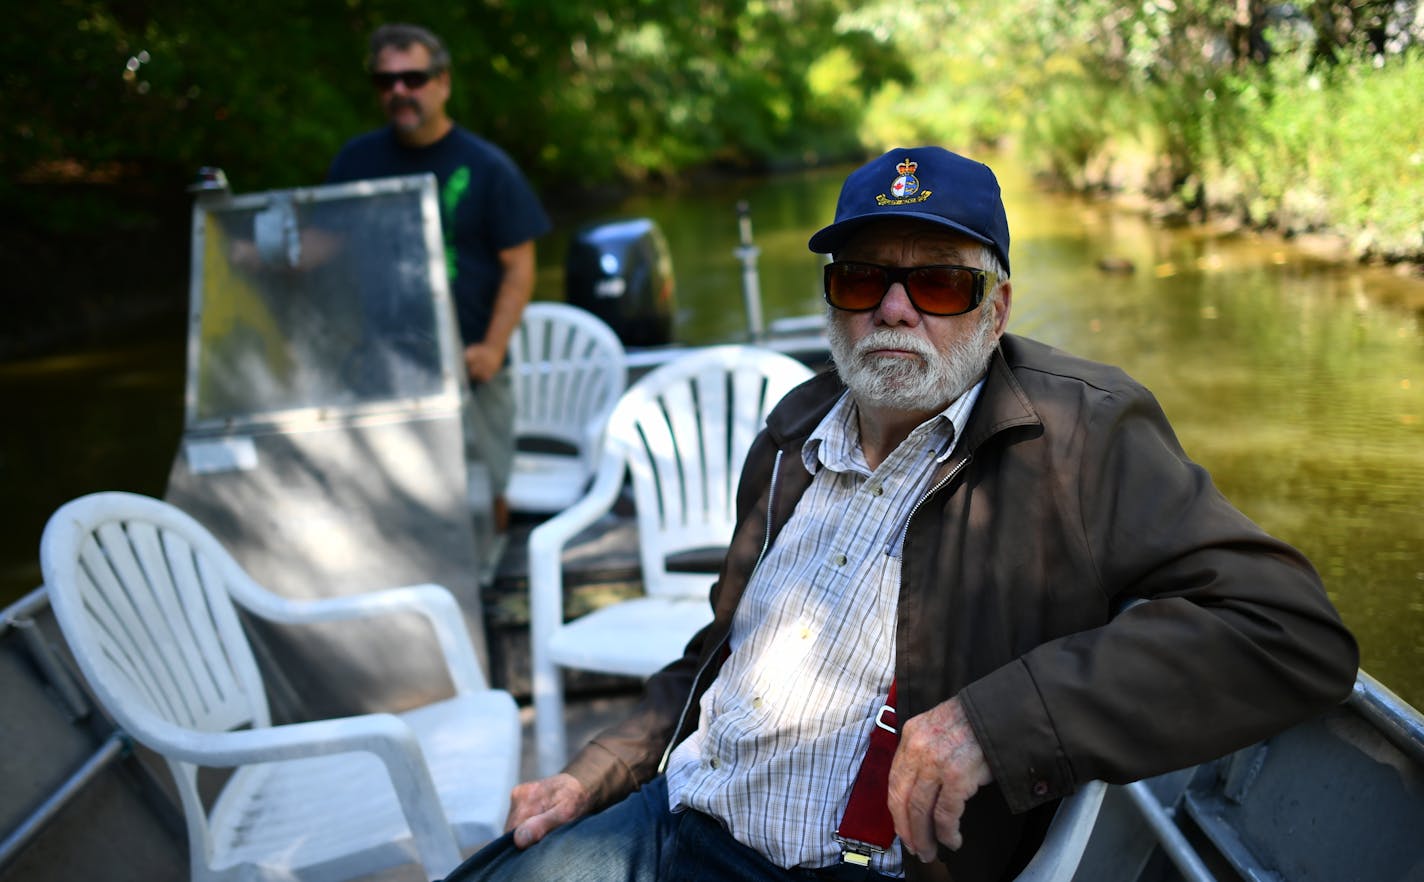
point(450, 195)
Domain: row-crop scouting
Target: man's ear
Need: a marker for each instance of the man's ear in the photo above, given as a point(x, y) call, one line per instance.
point(1003, 304)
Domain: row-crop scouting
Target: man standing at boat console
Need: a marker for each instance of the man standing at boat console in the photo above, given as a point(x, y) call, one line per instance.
point(489, 214)
point(960, 519)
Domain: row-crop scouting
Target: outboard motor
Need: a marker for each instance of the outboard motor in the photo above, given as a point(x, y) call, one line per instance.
point(621, 271)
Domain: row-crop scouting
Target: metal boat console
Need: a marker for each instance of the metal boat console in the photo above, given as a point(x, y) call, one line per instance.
point(322, 438)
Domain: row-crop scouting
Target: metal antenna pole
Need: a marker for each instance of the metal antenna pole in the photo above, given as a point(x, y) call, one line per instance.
point(751, 282)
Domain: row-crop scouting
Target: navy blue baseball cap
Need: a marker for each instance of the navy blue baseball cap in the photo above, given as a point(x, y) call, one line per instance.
point(925, 183)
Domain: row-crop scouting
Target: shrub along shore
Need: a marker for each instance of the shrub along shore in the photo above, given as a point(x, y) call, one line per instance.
point(1305, 118)
point(1336, 154)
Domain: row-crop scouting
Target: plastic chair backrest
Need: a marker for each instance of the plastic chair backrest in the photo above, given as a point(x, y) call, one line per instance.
point(684, 430)
point(568, 368)
point(142, 594)
point(141, 591)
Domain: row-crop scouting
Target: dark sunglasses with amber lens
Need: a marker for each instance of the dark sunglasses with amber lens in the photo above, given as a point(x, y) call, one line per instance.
point(386, 80)
point(934, 290)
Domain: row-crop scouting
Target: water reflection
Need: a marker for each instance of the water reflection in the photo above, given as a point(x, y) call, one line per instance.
point(100, 418)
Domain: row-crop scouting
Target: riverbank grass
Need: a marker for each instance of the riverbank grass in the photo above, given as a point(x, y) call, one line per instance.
point(1302, 150)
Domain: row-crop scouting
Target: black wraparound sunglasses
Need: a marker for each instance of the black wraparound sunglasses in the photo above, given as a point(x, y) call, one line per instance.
point(943, 289)
point(386, 80)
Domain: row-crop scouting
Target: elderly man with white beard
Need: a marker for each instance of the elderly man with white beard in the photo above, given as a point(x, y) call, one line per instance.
point(924, 631)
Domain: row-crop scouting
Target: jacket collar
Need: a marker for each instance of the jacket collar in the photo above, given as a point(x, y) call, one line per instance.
point(1002, 404)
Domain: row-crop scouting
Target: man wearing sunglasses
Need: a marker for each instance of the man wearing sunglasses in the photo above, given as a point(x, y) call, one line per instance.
point(925, 632)
point(490, 217)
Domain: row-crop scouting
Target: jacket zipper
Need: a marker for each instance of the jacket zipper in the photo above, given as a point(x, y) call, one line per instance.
point(905, 525)
point(770, 507)
point(765, 544)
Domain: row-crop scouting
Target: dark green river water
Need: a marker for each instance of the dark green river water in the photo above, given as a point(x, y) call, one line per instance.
point(1298, 383)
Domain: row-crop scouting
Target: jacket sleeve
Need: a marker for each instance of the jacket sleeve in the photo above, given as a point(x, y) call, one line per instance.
point(620, 758)
point(1237, 639)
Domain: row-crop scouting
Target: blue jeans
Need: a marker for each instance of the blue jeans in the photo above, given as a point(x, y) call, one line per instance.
point(637, 840)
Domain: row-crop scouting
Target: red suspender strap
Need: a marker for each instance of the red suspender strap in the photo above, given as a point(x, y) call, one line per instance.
point(867, 828)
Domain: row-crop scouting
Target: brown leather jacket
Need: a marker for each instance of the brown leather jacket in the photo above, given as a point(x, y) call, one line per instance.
point(1067, 497)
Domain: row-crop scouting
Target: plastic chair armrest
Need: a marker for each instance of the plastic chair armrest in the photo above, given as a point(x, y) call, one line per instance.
point(378, 733)
point(1057, 858)
point(547, 541)
point(388, 737)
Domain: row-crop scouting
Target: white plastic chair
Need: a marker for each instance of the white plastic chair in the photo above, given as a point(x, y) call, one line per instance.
point(144, 595)
point(681, 433)
point(1062, 850)
point(568, 369)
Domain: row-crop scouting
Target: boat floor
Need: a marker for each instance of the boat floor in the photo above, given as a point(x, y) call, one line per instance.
point(600, 567)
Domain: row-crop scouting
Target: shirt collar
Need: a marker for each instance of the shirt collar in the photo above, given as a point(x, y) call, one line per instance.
point(835, 442)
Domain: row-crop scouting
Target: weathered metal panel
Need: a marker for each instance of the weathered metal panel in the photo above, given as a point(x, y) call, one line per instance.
point(323, 440)
point(119, 825)
point(1329, 801)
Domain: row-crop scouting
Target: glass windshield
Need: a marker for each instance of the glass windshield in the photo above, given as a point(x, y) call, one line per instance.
point(327, 300)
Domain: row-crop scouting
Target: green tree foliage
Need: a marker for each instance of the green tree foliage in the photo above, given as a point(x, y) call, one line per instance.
point(1336, 146)
point(584, 93)
point(1302, 115)
point(109, 107)
point(966, 71)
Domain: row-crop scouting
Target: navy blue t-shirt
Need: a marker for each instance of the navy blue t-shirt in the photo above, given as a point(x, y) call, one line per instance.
point(486, 205)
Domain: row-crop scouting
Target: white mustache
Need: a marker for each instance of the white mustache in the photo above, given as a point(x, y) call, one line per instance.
point(884, 338)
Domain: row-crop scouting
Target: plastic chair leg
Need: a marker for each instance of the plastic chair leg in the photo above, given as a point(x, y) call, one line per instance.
point(550, 736)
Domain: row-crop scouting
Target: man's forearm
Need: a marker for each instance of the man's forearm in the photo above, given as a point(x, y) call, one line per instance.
point(484, 358)
point(516, 289)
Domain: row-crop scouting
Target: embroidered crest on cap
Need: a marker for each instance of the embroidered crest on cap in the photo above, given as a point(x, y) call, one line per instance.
point(905, 189)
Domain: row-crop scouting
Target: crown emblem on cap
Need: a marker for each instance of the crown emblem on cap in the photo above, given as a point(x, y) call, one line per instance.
point(906, 185)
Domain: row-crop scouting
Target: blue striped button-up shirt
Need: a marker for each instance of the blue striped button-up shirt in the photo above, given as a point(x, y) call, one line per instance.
point(785, 724)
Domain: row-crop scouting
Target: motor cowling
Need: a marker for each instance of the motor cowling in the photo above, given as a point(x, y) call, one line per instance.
point(621, 271)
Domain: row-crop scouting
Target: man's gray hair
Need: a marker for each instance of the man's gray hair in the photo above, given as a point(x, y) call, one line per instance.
point(990, 261)
point(403, 36)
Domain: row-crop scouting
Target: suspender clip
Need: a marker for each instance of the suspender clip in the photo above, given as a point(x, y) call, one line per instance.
point(880, 719)
point(857, 852)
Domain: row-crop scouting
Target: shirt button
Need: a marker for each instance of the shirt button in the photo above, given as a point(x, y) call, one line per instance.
point(805, 632)
point(838, 560)
point(877, 490)
point(756, 702)
point(713, 762)
point(1040, 788)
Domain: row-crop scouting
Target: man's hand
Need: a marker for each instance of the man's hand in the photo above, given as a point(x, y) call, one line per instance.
point(937, 767)
point(483, 361)
point(537, 807)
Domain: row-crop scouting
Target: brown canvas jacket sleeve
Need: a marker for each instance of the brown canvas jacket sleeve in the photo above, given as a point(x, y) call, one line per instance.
point(1236, 642)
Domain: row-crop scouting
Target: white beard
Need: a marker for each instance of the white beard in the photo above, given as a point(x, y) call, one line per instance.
point(926, 385)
